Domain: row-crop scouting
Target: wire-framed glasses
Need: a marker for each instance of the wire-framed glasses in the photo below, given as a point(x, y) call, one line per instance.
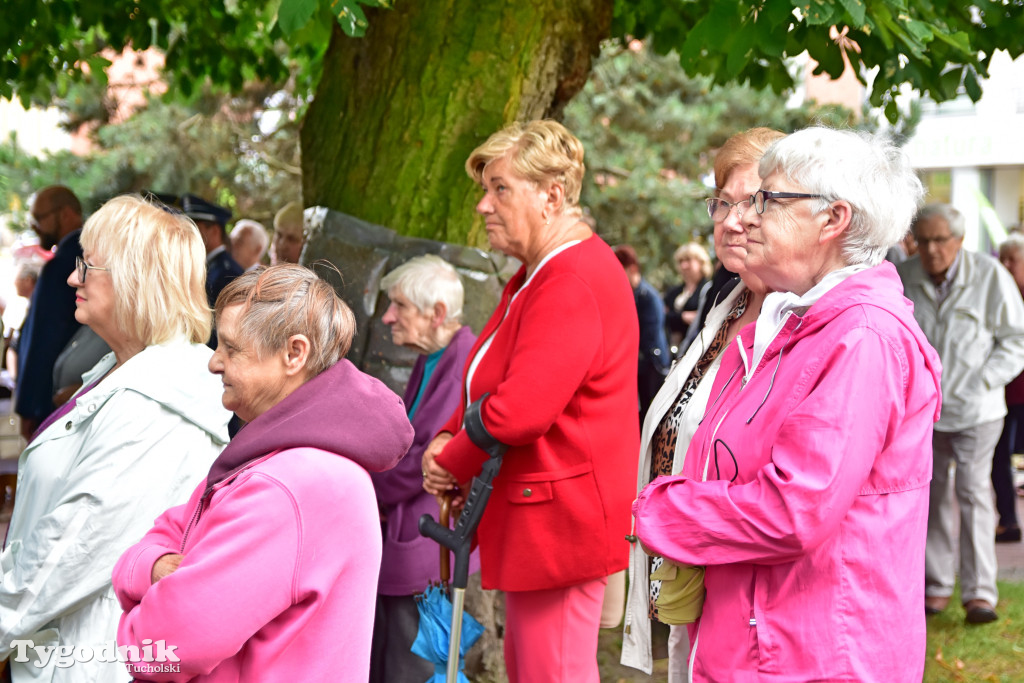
point(718, 209)
point(82, 267)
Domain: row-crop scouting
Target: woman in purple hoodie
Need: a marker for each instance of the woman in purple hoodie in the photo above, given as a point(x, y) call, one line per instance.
point(425, 315)
point(269, 572)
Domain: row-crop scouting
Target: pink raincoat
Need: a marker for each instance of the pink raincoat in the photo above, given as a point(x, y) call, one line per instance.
point(813, 515)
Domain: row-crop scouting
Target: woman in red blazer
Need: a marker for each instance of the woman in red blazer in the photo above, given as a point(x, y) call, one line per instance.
point(558, 362)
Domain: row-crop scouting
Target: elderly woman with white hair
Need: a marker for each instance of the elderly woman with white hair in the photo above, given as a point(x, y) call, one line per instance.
point(268, 572)
point(805, 488)
point(425, 315)
point(133, 441)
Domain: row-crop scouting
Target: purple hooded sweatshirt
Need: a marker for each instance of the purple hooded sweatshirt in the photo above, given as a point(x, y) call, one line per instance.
point(281, 545)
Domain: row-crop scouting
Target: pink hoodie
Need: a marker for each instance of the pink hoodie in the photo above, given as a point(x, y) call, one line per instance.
point(281, 546)
point(815, 548)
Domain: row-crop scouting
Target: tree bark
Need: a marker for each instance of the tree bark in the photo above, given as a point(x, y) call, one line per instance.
point(397, 112)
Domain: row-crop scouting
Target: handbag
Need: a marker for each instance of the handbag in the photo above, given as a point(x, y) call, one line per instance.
point(681, 598)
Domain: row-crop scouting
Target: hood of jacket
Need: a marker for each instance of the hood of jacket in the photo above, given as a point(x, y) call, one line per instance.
point(341, 410)
point(879, 287)
point(175, 374)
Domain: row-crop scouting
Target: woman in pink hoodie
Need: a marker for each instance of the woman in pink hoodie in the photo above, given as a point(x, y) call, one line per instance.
point(805, 488)
point(269, 572)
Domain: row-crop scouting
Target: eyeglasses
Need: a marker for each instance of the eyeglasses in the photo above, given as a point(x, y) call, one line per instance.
point(761, 197)
point(718, 209)
point(923, 242)
point(82, 267)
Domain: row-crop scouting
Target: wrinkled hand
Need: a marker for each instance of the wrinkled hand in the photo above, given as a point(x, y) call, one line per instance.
point(436, 479)
point(165, 566)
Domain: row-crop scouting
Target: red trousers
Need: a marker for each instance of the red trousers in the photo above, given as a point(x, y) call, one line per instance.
point(551, 635)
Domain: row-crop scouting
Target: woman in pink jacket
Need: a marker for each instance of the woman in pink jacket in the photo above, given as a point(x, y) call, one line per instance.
point(269, 572)
point(805, 489)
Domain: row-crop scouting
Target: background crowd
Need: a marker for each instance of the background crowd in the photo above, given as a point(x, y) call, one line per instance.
point(722, 443)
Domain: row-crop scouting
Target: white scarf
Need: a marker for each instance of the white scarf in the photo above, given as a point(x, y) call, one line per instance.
point(777, 308)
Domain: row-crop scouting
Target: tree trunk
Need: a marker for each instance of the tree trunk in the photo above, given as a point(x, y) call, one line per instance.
point(397, 112)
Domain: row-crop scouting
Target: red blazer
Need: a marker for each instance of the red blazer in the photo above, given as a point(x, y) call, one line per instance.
point(561, 373)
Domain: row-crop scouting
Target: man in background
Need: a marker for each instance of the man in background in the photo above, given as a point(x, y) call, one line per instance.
point(289, 234)
point(212, 221)
point(249, 242)
point(971, 311)
point(55, 214)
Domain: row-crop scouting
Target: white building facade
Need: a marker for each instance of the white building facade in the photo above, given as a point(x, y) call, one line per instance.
point(971, 155)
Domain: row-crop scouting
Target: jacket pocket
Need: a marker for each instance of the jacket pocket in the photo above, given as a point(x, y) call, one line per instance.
point(969, 336)
point(531, 489)
point(759, 622)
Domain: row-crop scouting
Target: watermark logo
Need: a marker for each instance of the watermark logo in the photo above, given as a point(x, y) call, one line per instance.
point(152, 657)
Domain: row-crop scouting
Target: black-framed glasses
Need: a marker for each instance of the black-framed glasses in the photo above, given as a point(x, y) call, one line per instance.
point(82, 267)
point(761, 197)
point(718, 209)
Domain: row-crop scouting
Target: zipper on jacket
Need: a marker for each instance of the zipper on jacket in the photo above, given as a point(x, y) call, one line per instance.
point(195, 518)
point(707, 411)
point(230, 477)
point(778, 364)
point(693, 651)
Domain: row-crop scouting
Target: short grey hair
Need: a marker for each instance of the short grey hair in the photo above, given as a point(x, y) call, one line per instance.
point(425, 281)
point(285, 300)
point(248, 229)
point(948, 213)
point(871, 173)
point(1013, 242)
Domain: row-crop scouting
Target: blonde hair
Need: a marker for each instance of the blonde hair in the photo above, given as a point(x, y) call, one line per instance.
point(284, 300)
point(157, 264)
point(539, 151)
point(694, 250)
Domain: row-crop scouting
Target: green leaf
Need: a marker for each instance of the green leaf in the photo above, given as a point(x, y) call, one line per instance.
point(949, 82)
point(920, 30)
point(819, 12)
point(892, 112)
point(351, 18)
point(857, 10)
point(971, 85)
point(959, 40)
point(742, 40)
point(293, 14)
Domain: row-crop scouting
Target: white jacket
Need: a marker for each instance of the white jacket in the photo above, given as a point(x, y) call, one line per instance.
point(89, 487)
point(636, 637)
point(978, 332)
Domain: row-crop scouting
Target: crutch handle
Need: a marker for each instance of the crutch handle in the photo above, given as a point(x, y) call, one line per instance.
point(460, 539)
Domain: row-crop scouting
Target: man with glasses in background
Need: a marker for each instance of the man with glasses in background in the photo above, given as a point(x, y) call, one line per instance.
point(55, 214)
point(968, 306)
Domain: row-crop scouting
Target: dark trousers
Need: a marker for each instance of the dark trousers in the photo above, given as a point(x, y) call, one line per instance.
point(395, 626)
point(1002, 467)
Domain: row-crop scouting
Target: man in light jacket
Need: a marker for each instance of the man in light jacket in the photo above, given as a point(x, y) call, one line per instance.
point(970, 310)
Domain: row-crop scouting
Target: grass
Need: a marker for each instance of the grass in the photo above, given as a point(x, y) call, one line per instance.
point(957, 652)
point(986, 652)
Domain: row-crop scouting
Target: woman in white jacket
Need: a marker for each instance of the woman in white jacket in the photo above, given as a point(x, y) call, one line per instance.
point(135, 440)
point(678, 407)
